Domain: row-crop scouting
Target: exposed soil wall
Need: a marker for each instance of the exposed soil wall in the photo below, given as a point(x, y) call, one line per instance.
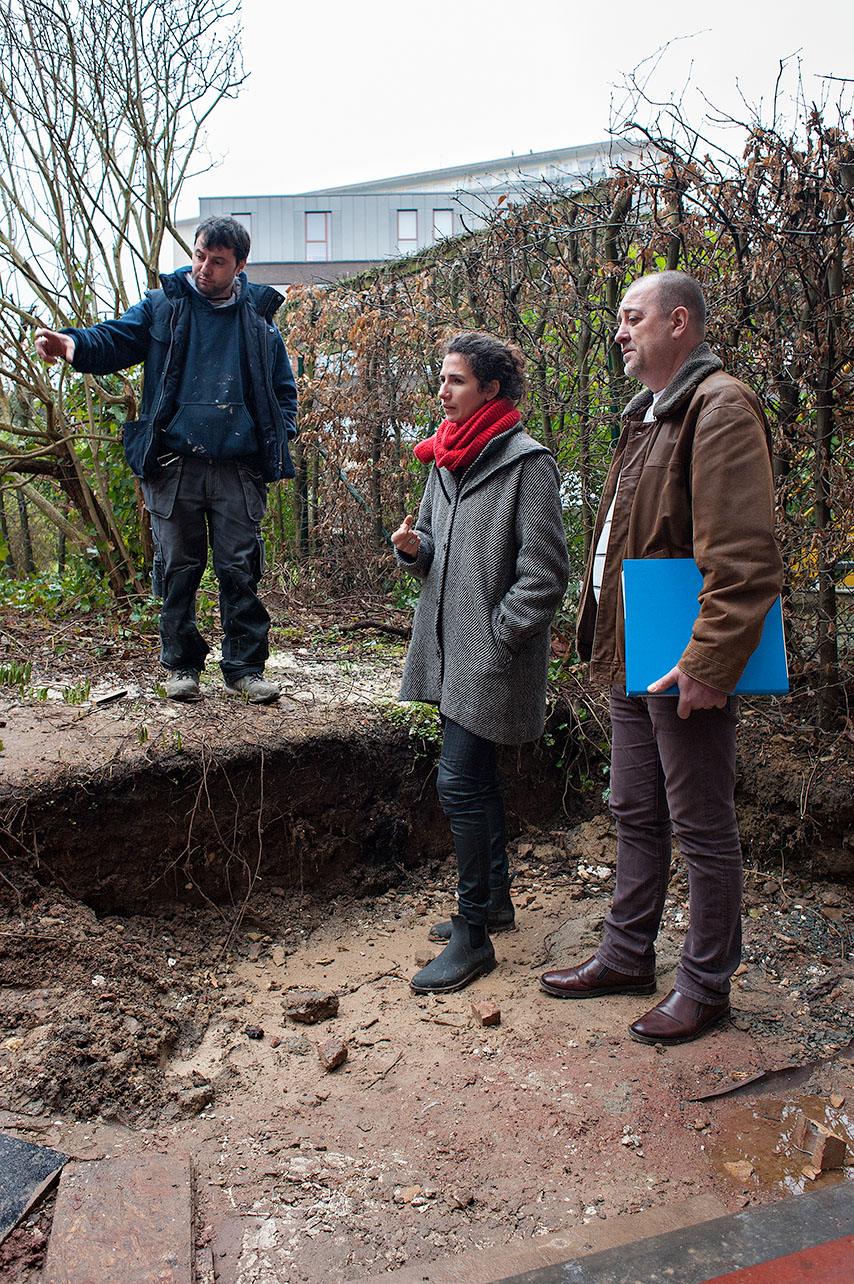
point(795, 796)
point(141, 802)
point(345, 808)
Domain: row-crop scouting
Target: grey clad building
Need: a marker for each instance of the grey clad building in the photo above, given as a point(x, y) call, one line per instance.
point(318, 237)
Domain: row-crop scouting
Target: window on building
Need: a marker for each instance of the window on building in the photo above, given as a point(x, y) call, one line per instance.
point(407, 231)
point(245, 220)
point(318, 239)
point(443, 224)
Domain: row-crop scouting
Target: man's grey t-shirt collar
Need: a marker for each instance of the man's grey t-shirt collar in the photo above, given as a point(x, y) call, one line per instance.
point(217, 303)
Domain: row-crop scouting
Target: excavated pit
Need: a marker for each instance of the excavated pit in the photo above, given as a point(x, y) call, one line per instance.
point(136, 802)
point(302, 808)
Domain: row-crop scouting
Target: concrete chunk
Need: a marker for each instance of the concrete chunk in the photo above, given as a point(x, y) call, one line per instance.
point(311, 1006)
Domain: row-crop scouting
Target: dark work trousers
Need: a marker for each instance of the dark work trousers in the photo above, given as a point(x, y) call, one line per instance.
point(666, 769)
point(469, 790)
point(196, 504)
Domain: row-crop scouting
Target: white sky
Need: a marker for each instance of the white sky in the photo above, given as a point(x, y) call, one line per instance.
point(342, 92)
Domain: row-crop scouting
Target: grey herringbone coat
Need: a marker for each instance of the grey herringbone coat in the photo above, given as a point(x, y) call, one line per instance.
point(494, 564)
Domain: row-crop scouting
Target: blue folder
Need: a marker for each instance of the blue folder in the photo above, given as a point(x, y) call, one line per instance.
point(661, 603)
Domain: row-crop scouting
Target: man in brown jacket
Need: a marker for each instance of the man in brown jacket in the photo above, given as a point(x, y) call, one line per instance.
point(691, 477)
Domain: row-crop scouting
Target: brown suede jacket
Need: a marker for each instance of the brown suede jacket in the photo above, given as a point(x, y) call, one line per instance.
point(695, 482)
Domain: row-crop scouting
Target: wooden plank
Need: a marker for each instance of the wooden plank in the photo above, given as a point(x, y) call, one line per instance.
point(126, 1221)
point(26, 1171)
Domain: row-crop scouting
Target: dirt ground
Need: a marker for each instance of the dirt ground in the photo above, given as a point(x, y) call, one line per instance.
point(168, 1031)
point(436, 1135)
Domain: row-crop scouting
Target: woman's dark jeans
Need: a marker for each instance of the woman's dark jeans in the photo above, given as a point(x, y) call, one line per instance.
point(469, 790)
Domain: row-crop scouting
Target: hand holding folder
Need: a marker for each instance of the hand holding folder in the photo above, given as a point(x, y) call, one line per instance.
point(693, 694)
point(661, 603)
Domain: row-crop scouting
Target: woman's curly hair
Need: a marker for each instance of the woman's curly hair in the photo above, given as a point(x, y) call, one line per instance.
point(492, 358)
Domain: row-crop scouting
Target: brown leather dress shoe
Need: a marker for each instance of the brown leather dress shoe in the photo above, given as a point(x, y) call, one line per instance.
point(592, 979)
point(677, 1019)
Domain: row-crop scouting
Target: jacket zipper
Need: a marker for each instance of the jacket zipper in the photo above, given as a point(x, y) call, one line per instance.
point(275, 408)
point(166, 364)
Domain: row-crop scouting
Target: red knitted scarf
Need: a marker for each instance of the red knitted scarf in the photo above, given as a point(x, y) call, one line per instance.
point(455, 446)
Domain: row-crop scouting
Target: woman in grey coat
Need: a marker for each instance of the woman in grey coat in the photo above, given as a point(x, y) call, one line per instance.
point(490, 548)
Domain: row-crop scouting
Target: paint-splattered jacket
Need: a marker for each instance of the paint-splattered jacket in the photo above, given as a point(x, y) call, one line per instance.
point(156, 331)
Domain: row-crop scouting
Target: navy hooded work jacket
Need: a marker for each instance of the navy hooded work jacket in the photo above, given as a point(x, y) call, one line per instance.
point(156, 331)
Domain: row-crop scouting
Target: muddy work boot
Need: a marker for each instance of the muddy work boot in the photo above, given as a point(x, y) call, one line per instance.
point(255, 687)
point(502, 916)
point(468, 955)
point(183, 684)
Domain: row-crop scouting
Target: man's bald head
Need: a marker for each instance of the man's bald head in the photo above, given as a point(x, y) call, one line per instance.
point(661, 320)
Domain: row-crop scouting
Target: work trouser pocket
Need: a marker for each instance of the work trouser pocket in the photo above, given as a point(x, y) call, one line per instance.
point(254, 491)
point(159, 492)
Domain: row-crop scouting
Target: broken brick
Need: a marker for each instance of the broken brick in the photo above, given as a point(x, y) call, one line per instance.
point(825, 1148)
point(740, 1169)
point(332, 1053)
point(486, 1012)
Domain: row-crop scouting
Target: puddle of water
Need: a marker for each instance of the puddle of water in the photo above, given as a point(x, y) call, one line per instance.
point(762, 1135)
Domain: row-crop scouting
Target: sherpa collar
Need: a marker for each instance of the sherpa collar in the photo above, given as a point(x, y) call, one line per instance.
point(263, 298)
point(698, 366)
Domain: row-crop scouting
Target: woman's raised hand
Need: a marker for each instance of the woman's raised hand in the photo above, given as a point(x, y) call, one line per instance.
point(406, 539)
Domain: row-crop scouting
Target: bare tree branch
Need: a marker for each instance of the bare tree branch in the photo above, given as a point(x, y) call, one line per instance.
point(102, 108)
